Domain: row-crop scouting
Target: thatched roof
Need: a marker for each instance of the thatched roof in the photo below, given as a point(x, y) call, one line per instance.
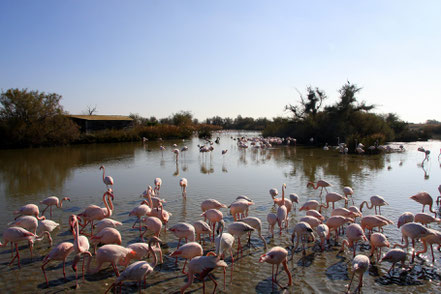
point(101, 117)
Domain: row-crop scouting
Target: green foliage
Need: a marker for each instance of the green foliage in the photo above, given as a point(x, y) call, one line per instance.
point(31, 118)
point(239, 123)
point(310, 105)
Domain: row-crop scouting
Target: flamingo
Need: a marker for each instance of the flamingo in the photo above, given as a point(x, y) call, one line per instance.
point(51, 201)
point(153, 202)
point(115, 254)
point(257, 225)
point(105, 223)
point(59, 252)
point(332, 197)
point(107, 180)
point(371, 221)
point(320, 184)
point(213, 216)
point(106, 236)
point(46, 225)
point(304, 232)
point(425, 199)
point(378, 240)
point(276, 256)
point(81, 246)
point(29, 209)
point(211, 204)
point(355, 210)
point(376, 200)
point(294, 198)
point(322, 232)
point(344, 212)
point(224, 242)
point(394, 256)
point(315, 214)
point(183, 230)
point(311, 220)
point(93, 212)
point(273, 192)
point(239, 208)
point(27, 222)
point(137, 271)
point(282, 212)
point(438, 199)
point(354, 233)
point(347, 191)
point(15, 235)
point(272, 221)
point(161, 213)
point(424, 218)
point(183, 183)
point(434, 238)
point(188, 251)
point(158, 183)
point(406, 217)
point(413, 231)
point(310, 204)
point(237, 229)
point(201, 227)
point(140, 211)
point(335, 222)
point(360, 264)
point(203, 265)
point(153, 224)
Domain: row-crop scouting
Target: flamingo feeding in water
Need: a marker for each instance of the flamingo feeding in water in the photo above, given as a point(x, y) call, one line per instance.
point(276, 256)
point(59, 252)
point(51, 201)
point(425, 199)
point(81, 246)
point(115, 254)
point(29, 209)
point(107, 180)
point(183, 183)
point(158, 183)
point(360, 264)
point(188, 251)
point(320, 184)
point(376, 200)
point(93, 212)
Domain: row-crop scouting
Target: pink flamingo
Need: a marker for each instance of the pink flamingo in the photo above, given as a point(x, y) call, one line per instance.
point(27, 222)
point(309, 205)
point(51, 201)
point(378, 241)
point(315, 214)
point(355, 210)
point(312, 221)
point(406, 217)
point(438, 199)
point(105, 223)
point(322, 232)
point(140, 211)
point(413, 231)
point(257, 225)
point(239, 208)
point(15, 235)
point(224, 242)
point(302, 231)
point(332, 197)
point(106, 236)
point(211, 204)
point(161, 213)
point(81, 246)
point(276, 256)
point(188, 251)
point(282, 212)
point(137, 271)
point(347, 191)
point(372, 221)
point(424, 218)
point(376, 200)
point(29, 209)
point(46, 225)
point(213, 216)
point(237, 229)
point(93, 212)
point(153, 224)
point(158, 183)
point(354, 233)
point(434, 238)
point(201, 227)
point(115, 254)
point(107, 180)
point(273, 192)
point(183, 183)
point(344, 212)
point(335, 222)
point(425, 199)
point(294, 198)
point(360, 264)
point(59, 252)
point(272, 221)
point(203, 265)
point(320, 184)
point(143, 249)
point(183, 230)
point(394, 256)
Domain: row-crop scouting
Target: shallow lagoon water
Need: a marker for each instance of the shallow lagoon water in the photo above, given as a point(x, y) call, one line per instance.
point(30, 175)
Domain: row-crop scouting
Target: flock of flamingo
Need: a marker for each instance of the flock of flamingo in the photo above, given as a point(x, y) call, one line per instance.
point(152, 219)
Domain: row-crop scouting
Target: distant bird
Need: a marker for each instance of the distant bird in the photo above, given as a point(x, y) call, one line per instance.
point(276, 256)
point(51, 201)
point(183, 183)
point(224, 152)
point(360, 264)
point(176, 152)
point(108, 180)
point(376, 201)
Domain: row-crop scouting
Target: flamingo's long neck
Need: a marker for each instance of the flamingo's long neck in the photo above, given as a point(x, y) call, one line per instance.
point(109, 210)
point(104, 171)
point(283, 194)
point(149, 197)
point(345, 242)
point(60, 203)
point(77, 234)
point(155, 261)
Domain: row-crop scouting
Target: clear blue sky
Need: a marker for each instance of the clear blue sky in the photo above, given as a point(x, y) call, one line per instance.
point(224, 57)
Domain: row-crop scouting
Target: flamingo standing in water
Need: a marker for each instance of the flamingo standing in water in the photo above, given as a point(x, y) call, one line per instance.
point(320, 184)
point(272, 221)
point(238, 229)
point(257, 225)
point(354, 233)
point(213, 216)
point(394, 256)
point(59, 252)
point(203, 265)
point(413, 231)
point(158, 183)
point(376, 200)
point(183, 183)
point(141, 210)
point(276, 256)
point(51, 201)
point(81, 246)
point(29, 209)
point(347, 191)
point(137, 271)
point(282, 212)
point(188, 251)
point(115, 254)
point(107, 180)
point(332, 197)
point(378, 241)
point(360, 264)
point(425, 199)
point(211, 204)
point(93, 212)
point(434, 238)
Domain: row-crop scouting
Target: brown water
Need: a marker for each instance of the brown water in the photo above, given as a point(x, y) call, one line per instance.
point(30, 175)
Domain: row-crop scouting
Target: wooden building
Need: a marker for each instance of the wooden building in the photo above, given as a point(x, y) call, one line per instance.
point(89, 123)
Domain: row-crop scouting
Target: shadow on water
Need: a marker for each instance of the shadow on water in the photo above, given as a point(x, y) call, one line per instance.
point(338, 271)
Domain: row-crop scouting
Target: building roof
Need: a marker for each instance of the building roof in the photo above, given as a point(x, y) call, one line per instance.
point(101, 117)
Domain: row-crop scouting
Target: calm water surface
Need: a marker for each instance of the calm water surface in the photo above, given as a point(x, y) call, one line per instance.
point(28, 176)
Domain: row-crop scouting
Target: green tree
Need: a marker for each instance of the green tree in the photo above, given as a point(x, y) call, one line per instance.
point(30, 118)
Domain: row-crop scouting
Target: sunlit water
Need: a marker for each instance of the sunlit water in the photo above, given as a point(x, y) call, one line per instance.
point(28, 176)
